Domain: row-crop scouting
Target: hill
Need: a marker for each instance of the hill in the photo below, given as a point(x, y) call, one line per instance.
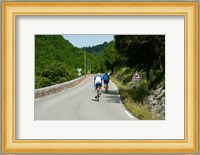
point(56, 60)
point(96, 50)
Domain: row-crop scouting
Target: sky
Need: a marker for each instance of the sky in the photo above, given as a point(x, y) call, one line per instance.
point(88, 40)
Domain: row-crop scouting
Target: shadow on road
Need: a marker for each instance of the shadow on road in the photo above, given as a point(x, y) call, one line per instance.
point(113, 99)
point(112, 96)
point(94, 100)
point(111, 92)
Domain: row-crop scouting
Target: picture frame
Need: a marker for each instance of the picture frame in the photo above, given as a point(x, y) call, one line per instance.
point(10, 10)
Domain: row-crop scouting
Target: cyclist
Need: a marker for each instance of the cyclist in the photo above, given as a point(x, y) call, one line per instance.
point(98, 82)
point(106, 79)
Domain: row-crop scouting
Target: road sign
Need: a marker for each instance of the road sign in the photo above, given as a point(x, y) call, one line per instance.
point(136, 77)
point(79, 69)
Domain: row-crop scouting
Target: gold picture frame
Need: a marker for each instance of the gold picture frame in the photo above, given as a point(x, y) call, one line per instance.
point(10, 10)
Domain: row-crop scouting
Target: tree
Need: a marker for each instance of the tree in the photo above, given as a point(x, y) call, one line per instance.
point(111, 57)
point(143, 52)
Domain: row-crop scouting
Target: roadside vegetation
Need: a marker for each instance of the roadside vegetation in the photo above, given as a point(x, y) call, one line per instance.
point(134, 94)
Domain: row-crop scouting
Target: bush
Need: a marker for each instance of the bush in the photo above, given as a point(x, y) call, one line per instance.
point(62, 79)
point(55, 73)
point(42, 82)
point(140, 92)
point(156, 78)
point(124, 71)
point(127, 78)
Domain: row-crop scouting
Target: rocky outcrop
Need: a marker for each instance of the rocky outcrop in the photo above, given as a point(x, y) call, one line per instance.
point(156, 102)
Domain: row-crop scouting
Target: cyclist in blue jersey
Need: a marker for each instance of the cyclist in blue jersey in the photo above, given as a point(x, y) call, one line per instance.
point(106, 79)
point(98, 82)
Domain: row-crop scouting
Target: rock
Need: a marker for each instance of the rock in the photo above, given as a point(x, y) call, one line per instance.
point(158, 91)
point(157, 102)
point(162, 102)
point(150, 98)
point(160, 96)
point(154, 102)
point(163, 113)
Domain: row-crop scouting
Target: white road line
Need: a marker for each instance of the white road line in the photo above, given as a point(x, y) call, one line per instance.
point(128, 114)
point(120, 102)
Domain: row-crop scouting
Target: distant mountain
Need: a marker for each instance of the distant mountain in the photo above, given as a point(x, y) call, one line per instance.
point(96, 50)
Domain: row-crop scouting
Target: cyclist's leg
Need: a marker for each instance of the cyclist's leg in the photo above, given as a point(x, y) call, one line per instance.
point(96, 85)
point(100, 87)
point(106, 85)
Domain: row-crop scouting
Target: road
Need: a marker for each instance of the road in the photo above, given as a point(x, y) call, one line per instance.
point(78, 103)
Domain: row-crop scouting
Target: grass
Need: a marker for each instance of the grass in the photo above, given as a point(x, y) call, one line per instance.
point(137, 108)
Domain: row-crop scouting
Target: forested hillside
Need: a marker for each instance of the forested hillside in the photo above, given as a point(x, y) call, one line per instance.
point(96, 50)
point(56, 60)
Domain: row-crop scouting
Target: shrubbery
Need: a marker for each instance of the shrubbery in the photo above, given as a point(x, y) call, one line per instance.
point(134, 94)
point(42, 82)
point(140, 92)
point(54, 74)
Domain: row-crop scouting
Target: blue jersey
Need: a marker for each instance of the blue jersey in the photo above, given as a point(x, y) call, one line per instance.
point(106, 77)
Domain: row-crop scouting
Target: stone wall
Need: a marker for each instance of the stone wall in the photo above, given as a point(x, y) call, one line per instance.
point(57, 88)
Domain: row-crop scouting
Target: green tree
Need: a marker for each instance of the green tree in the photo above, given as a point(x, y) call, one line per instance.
point(143, 52)
point(111, 57)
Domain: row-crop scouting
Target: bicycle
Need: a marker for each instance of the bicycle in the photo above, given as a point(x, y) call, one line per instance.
point(98, 93)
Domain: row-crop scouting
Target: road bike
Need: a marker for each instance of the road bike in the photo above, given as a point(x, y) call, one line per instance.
point(98, 93)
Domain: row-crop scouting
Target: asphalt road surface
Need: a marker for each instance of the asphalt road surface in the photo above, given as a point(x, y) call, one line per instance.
point(78, 103)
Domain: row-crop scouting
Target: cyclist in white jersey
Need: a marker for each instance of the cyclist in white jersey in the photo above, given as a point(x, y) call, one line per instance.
point(98, 81)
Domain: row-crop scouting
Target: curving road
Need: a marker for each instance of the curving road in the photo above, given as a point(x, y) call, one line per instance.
point(78, 103)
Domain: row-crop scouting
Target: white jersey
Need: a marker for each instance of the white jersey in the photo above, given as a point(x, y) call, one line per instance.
point(97, 79)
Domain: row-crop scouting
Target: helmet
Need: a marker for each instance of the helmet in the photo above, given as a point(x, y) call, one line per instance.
point(98, 74)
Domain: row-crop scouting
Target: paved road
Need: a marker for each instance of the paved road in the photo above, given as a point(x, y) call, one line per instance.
point(78, 103)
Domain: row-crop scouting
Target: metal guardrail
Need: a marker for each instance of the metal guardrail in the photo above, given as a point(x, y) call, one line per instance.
point(57, 88)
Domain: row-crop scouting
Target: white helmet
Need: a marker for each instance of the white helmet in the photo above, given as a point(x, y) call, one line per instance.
point(98, 74)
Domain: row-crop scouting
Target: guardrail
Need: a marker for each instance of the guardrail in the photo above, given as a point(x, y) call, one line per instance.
point(57, 88)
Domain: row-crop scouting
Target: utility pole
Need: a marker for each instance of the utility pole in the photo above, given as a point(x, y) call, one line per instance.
point(85, 62)
point(90, 67)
